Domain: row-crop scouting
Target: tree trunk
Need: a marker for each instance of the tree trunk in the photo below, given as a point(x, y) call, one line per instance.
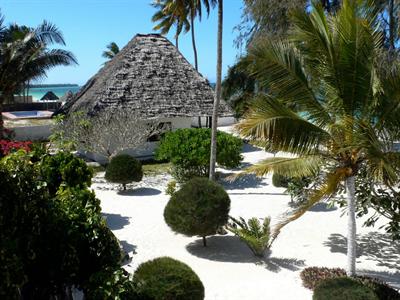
point(124, 186)
point(177, 36)
point(351, 229)
point(204, 241)
point(214, 121)
point(194, 52)
point(193, 41)
point(392, 25)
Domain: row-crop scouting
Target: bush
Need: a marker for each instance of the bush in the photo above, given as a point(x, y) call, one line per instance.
point(50, 240)
point(124, 169)
point(65, 168)
point(189, 151)
point(313, 276)
point(166, 278)
point(199, 208)
point(171, 188)
point(255, 235)
point(279, 181)
point(343, 288)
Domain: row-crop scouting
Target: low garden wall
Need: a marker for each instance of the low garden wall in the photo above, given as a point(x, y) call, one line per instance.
point(32, 133)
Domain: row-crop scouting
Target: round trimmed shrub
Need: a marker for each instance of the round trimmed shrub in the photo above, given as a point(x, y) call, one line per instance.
point(279, 181)
point(124, 169)
point(343, 288)
point(199, 208)
point(165, 278)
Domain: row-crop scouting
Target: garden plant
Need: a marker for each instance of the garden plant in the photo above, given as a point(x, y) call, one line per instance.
point(199, 208)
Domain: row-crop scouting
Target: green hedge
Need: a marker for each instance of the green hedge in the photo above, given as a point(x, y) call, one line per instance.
point(189, 151)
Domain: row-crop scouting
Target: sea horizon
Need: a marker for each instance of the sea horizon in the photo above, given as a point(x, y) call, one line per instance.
point(59, 90)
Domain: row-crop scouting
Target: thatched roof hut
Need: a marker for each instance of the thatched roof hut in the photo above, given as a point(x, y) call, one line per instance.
point(49, 96)
point(149, 75)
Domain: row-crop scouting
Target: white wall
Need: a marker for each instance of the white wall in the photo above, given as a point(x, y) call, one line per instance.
point(32, 133)
point(223, 121)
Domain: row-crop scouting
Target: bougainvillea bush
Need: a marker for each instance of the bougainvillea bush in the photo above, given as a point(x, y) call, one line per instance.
point(7, 147)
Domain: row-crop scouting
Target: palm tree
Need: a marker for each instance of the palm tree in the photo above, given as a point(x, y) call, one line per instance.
point(214, 122)
point(25, 56)
point(112, 50)
point(330, 103)
point(170, 13)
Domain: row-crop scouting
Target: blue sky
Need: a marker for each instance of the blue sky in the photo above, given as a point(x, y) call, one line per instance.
point(89, 25)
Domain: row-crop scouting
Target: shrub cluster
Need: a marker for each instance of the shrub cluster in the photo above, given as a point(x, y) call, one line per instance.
point(166, 278)
point(313, 276)
point(124, 169)
point(199, 208)
point(279, 181)
point(342, 288)
point(189, 151)
point(52, 234)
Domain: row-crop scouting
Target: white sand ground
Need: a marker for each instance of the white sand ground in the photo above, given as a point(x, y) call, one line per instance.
point(226, 267)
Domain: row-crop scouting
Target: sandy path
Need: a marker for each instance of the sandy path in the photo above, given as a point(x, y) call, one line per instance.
point(226, 267)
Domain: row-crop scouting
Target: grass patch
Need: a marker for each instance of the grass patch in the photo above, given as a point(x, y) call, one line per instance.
point(155, 168)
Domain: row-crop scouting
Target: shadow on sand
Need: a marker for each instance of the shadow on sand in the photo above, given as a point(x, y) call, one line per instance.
point(229, 248)
point(116, 221)
point(322, 207)
point(247, 148)
point(375, 246)
point(392, 279)
point(242, 182)
point(142, 191)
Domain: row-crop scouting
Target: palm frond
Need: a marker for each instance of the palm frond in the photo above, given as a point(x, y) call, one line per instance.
point(48, 34)
point(271, 121)
point(289, 167)
point(279, 67)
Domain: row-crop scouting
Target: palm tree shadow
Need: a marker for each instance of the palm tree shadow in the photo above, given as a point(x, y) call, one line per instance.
point(229, 248)
point(242, 182)
point(375, 246)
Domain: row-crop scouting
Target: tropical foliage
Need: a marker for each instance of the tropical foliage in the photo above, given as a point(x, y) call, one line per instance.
point(112, 50)
point(51, 239)
point(329, 103)
point(253, 233)
point(25, 56)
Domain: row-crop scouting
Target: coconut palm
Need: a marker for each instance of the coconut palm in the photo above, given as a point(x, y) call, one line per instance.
point(213, 155)
point(25, 56)
point(330, 104)
point(112, 50)
point(171, 13)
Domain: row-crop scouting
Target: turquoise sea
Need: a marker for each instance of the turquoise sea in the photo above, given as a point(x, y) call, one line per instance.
point(39, 92)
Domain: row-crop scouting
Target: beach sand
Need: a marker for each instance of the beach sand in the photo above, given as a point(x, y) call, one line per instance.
point(227, 267)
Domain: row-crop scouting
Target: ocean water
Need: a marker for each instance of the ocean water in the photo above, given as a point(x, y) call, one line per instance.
point(38, 93)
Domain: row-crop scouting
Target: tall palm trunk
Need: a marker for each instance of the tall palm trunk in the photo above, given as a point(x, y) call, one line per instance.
point(194, 51)
point(177, 36)
point(193, 40)
point(351, 228)
point(213, 156)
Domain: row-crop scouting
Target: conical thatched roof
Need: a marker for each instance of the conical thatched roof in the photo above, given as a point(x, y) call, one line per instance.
point(49, 96)
point(151, 76)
